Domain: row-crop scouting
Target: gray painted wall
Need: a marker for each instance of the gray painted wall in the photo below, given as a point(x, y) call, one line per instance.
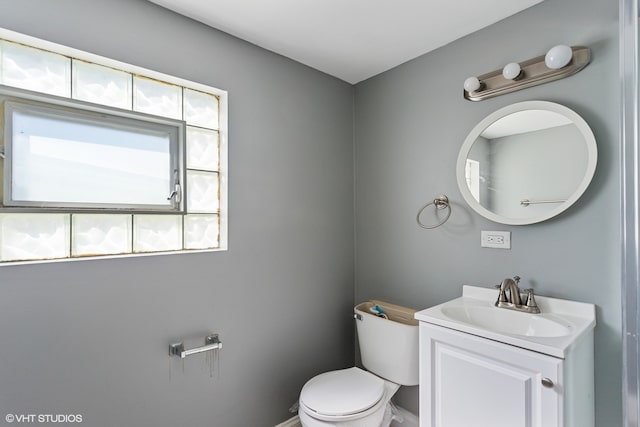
point(410, 123)
point(91, 337)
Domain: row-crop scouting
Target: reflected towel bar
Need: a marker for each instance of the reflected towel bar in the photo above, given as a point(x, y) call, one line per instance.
point(527, 202)
point(211, 342)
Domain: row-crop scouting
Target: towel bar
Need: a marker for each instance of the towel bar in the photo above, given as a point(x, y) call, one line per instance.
point(527, 202)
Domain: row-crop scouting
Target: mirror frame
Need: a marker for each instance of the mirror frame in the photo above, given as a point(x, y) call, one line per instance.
point(584, 129)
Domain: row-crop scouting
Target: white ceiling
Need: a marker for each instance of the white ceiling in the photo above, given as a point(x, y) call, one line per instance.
point(349, 39)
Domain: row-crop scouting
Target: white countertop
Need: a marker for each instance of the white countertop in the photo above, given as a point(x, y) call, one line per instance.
point(578, 317)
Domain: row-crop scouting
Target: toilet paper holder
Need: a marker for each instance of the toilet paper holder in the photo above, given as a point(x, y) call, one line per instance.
point(211, 342)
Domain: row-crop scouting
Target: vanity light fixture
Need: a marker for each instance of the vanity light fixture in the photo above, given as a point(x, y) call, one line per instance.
point(559, 62)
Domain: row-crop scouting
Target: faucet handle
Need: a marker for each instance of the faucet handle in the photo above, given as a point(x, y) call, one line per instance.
point(531, 301)
point(516, 279)
point(502, 296)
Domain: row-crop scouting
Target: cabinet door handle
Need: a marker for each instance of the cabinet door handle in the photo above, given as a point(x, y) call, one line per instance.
point(546, 382)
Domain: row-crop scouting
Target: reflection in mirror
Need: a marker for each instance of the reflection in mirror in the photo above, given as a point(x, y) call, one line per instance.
point(525, 165)
point(517, 158)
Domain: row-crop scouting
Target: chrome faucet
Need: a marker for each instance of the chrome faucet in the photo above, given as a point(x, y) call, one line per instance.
point(511, 285)
point(514, 302)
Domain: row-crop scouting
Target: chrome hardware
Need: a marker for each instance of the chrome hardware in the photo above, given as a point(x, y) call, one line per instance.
point(502, 296)
point(211, 342)
point(440, 202)
point(514, 302)
point(357, 316)
point(546, 382)
point(176, 194)
point(511, 285)
point(531, 300)
point(527, 202)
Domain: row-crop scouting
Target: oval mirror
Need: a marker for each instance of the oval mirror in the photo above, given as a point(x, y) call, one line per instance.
point(526, 162)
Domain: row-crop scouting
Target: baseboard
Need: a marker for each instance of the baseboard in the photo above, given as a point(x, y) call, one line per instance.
point(409, 420)
point(291, 422)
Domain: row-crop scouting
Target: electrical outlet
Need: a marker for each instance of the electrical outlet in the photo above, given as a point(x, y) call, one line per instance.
point(492, 238)
point(495, 239)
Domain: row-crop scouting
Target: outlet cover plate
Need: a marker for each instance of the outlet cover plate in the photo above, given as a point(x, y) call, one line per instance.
point(495, 239)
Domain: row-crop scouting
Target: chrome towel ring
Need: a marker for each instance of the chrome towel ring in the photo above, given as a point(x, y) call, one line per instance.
point(440, 202)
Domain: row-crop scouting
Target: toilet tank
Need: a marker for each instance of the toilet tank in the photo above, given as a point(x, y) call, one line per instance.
point(388, 347)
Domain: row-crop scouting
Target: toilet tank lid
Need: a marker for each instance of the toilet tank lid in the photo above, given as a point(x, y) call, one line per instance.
point(343, 392)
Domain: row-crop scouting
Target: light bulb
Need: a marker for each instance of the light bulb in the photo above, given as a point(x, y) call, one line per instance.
point(511, 71)
point(472, 84)
point(558, 56)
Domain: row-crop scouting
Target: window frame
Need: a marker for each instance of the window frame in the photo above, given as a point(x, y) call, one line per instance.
point(222, 131)
point(21, 100)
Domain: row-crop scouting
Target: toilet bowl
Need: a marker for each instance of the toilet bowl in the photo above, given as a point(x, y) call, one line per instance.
point(347, 398)
point(355, 397)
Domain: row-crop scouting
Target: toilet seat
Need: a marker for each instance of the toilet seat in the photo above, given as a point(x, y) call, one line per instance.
point(342, 395)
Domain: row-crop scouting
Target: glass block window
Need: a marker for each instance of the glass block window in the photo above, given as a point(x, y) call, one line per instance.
point(34, 236)
point(35, 69)
point(157, 98)
point(40, 229)
point(152, 233)
point(100, 234)
point(101, 85)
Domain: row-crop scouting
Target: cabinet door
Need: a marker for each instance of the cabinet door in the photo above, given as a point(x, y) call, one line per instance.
point(468, 381)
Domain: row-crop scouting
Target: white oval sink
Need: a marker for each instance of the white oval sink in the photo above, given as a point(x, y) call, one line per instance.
point(552, 332)
point(506, 321)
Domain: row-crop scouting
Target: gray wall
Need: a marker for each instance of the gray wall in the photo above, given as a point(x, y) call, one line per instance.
point(410, 123)
point(91, 337)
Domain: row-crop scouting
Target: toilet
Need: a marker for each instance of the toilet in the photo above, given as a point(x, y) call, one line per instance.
point(356, 397)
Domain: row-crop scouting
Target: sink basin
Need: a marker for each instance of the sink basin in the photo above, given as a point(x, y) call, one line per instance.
point(560, 325)
point(508, 321)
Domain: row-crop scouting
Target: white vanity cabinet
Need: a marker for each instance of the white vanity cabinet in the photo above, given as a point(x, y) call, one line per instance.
point(468, 379)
